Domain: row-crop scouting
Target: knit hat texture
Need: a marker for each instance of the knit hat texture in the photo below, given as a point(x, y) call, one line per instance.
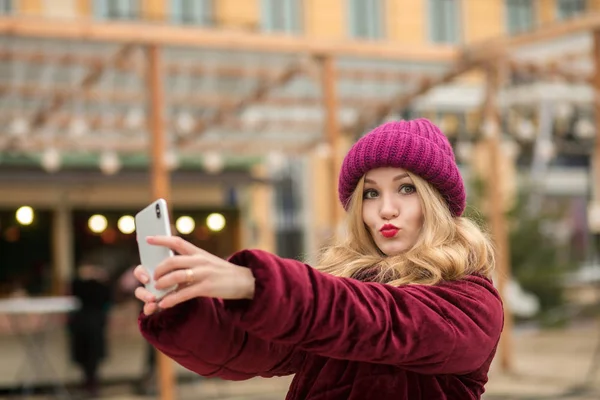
point(418, 146)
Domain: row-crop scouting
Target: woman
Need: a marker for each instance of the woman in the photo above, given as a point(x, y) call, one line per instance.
point(402, 308)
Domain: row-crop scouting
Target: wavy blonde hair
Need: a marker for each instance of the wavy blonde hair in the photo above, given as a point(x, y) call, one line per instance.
point(448, 248)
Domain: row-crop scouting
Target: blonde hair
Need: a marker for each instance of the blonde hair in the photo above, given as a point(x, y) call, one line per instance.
point(448, 248)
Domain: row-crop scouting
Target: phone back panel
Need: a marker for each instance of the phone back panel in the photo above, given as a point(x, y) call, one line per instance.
point(153, 221)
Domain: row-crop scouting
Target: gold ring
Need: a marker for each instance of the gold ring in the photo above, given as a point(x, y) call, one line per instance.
point(189, 273)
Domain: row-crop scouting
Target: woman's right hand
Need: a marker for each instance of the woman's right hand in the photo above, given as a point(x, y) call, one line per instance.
point(143, 294)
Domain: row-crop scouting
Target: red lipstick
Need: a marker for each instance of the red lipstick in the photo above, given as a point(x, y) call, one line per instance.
point(389, 230)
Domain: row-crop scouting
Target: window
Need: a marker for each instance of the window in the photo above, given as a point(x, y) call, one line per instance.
point(6, 7)
point(193, 12)
point(520, 16)
point(444, 21)
point(282, 16)
point(117, 9)
point(366, 19)
point(288, 219)
point(570, 8)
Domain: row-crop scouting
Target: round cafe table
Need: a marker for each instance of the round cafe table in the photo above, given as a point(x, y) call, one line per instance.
point(37, 363)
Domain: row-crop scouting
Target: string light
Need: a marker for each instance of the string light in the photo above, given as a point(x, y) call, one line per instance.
point(185, 225)
point(126, 224)
point(97, 223)
point(25, 215)
point(215, 222)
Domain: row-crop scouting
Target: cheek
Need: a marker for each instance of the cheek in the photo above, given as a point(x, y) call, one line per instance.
point(415, 216)
point(367, 217)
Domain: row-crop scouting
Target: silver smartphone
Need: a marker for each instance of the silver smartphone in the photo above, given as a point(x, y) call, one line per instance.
point(153, 221)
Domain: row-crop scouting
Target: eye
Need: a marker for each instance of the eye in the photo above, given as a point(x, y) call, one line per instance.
point(370, 194)
point(407, 189)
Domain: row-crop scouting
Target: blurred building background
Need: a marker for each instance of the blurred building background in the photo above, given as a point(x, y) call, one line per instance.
point(260, 98)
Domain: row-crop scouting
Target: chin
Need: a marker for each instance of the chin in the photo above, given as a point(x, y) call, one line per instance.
point(393, 250)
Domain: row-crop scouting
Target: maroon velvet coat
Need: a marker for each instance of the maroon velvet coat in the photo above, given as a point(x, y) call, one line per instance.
point(343, 338)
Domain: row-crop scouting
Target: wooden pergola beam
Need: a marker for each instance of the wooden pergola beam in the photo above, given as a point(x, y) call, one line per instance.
point(403, 99)
point(88, 80)
point(474, 56)
point(57, 58)
point(490, 49)
point(553, 70)
point(595, 190)
point(97, 144)
point(229, 70)
point(171, 35)
point(225, 113)
point(133, 98)
point(61, 120)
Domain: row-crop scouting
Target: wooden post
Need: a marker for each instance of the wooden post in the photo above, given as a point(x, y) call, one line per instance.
point(62, 248)
point(160, 182)
point(332, 130)
point(595, 189)
point(499, 228)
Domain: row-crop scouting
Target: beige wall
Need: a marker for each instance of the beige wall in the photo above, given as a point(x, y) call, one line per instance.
point(238, 14)
point(29, 7)
point(84, 8)
point(326, 19)
point(155, 10)
point(60, 8)
point(546, 11)
point(483, 19)
point(406, 22)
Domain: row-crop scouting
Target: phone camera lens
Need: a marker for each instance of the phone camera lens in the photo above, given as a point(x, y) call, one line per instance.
point(157, 211)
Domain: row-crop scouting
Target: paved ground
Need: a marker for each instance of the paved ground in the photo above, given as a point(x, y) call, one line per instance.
point(547, 365)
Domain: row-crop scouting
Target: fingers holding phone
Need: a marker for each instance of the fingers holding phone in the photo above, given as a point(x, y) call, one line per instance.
point(143, 294)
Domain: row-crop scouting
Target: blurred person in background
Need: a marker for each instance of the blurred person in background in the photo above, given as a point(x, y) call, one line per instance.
point(127, 284)
point(88, 325)
point(402, 307)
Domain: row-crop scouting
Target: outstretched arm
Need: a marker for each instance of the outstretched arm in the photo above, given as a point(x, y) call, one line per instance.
point(450, 328)
point(200, 335)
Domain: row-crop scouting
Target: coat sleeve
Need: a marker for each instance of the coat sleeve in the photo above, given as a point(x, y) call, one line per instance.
point(200, 336)
point(451, 328)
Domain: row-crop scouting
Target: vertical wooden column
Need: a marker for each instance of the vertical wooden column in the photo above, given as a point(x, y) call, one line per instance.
point(62, 248)
point(595, 189)
point(261, 211)
point(332, 130)
point(160, 181)
point(494, 196)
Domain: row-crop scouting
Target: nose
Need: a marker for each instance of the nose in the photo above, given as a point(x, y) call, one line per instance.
point(389, 209)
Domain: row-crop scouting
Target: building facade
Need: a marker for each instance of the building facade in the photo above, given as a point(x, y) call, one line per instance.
point(289, 216)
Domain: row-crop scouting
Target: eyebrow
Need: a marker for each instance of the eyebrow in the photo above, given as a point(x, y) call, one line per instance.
point(396, 178)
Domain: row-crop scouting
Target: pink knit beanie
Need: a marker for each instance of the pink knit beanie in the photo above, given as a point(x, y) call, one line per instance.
point(417, 146)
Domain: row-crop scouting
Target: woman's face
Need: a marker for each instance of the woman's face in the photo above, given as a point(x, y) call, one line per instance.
point(391, 210)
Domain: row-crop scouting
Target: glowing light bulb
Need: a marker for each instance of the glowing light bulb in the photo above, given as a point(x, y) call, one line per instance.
point(215, 222)
point(185, 225)
point(126, 224)
point(97, 223)
point(109, 163)
point(213, 163)
point(51, 160)
point(25, 215)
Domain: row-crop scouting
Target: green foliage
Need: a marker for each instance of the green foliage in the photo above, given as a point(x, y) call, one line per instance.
point(536, 259)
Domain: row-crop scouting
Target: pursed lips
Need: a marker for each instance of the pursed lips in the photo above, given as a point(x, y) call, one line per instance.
point(389, 230)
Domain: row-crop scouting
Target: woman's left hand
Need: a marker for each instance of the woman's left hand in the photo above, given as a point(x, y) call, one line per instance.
point(199, 274)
